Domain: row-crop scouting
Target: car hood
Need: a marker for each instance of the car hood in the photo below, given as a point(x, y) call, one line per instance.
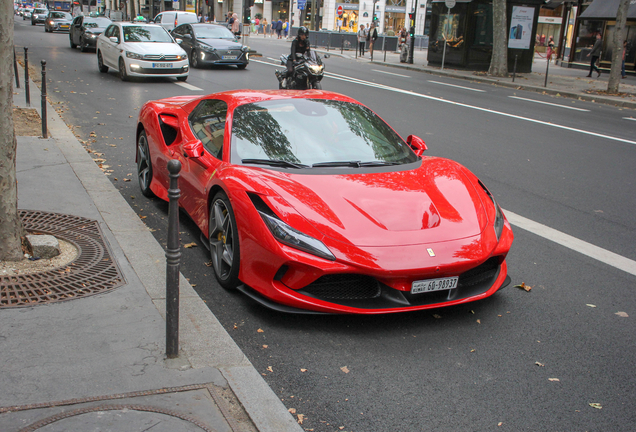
point(95, 30)
point(223, 44)
point(433, 203)
point(166, 48)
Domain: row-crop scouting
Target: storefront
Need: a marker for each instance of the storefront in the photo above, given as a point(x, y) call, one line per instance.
point(395, 17)
point(467, 32)
point(347, 16)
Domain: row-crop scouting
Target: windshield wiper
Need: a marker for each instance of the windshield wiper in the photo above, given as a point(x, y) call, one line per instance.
point(273, 162)
point(353, 164)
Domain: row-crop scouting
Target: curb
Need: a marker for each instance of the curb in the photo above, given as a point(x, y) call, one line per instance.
point(203, 340)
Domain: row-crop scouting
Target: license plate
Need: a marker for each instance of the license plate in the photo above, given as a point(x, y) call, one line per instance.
point(229, 57)
point(434, 285)
point(63, 26)
point(162, 65)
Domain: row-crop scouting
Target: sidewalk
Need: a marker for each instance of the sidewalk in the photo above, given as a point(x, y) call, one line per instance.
point(565, 82)
point(98, 362)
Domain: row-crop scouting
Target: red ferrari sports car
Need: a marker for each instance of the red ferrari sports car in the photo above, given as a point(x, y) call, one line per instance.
point(311, 203)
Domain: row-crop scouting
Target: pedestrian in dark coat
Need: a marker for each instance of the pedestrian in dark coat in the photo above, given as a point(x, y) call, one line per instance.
point(595, 54)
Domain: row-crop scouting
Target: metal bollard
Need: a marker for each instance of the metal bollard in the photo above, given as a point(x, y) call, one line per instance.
point(547, 67)
point(26, 77)
point(341, 46)
point(384, 53)
point(173, 259)
point(15, 70)
point(514, 71)
point(44, 128)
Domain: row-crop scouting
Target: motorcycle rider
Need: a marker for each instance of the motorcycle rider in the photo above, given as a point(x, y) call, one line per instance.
point(300, 45)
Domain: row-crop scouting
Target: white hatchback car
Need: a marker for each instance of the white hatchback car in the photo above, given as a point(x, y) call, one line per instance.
point(141, 50)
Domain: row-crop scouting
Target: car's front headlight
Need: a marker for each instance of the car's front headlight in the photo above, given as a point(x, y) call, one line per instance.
point(92, 35)
point(133, 55)
point(499, 217)
point(183, 56)
point(316, 68)
point(294, 238)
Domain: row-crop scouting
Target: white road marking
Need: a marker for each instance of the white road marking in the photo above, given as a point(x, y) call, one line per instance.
point(390, 73)
point(458, 86)
point(270, 58)
point(580, 246)
point(548, 103)
point(629, 118)
point(411, 93)
point(188, 86)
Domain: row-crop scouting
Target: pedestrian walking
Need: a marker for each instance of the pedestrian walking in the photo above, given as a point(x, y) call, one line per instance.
point(236, 27)
point(265, 27)
point(595, 54)
point(623, 74)
point(373, 35)
point(550, 48)
point(285, 28)
point(279, 28)
point(362, 39)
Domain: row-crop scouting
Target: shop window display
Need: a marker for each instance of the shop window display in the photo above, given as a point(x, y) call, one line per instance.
point(483, 26)
point(586, 38)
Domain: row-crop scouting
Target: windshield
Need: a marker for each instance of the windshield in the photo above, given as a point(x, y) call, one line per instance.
point(61, 15)
point(146, 34)
point(96, 22)
point(310, 131)
point(212, 32)
point(40, 11)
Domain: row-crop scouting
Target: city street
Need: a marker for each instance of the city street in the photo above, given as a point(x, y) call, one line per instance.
point(558, 357)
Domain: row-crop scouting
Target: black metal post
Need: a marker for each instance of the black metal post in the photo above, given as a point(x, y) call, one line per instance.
point(173, 259)
point(341, 44)
point(547, 66)
point(384, 48)
point(26, 76)
point(15, 70)
point(514, 70)
point(357, 46)
point(44, 132)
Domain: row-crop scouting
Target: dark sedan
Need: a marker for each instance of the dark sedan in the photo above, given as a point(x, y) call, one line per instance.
point(84, 31)
point(58, 21)
point(211, 44)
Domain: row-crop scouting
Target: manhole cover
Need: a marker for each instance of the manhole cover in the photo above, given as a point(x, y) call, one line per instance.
point(92, 272)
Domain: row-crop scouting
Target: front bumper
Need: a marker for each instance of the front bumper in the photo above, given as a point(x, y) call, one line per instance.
point(59, 27)
point(38, 20)
point(223, 58)
point(141, 68)
point(89, 42)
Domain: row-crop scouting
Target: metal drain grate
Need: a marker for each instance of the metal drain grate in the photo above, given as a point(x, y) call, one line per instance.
point(92, 272)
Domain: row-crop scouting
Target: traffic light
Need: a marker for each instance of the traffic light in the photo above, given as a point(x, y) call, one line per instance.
point(412, 25)
point(375, 18)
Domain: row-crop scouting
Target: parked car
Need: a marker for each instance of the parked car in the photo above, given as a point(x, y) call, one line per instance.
point(211, 44)
point(26, 13)
point(309, 200)
point(85, 30)
point(171, 19)
point(58, 21)
point(141, 50)
point(38, 16)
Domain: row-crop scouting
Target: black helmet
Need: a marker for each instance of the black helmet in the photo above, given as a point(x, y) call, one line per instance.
point(303, 31)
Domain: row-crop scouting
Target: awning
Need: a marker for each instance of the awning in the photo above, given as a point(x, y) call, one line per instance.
point(607, 9)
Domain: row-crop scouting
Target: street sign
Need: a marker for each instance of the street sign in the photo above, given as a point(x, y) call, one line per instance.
point(449, 3)
point(301, 4)
point(340, 10)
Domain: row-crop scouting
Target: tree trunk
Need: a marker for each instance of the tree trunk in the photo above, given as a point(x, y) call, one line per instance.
point(10, 225)
point(617, 42)
point(499, 60)
point(133, 12)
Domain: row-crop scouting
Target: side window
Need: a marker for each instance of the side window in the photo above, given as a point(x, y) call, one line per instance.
point(109, 31)
point(181, 30)
point(208, 124)
point(116, 33)
point(158, 19)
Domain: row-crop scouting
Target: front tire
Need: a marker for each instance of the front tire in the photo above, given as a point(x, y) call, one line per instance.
point(144, 165)
point(224, 242)
point(122, 70)
point(100, 63)
point(317, 85)
point(182, 79)
point(242, 66)
point(194, 59)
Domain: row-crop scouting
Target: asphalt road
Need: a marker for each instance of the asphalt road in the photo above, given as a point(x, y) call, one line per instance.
point(518, 361)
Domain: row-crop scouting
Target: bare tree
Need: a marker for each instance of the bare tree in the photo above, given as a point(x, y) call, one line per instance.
point(10, 224)
point(499, 60)
point(620, 32)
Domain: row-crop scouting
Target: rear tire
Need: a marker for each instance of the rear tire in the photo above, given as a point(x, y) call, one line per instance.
point(182, 79)
point(242, 66)
point(100, 63)
point(144, 165)
point(194, 59)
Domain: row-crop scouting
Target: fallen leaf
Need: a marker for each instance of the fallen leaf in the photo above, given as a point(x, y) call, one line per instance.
point(269, 368)
point(344, 369)
point(265, 346)
point(303, 370)
point(126, 180)
point(596, 405)
point(478, 321)
point(190, 245)
point(144, 217)
point(523, 286)
point(292, 410)
point(590, 305)
point(499, 424)
point(553, 379)
point(539, 364)
point(472, 350)
point(437, 316)
point(301, 418)
point(622, 314)
point(260, 331)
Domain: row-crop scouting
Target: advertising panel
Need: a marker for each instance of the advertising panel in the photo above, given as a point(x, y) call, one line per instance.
point(520, 31)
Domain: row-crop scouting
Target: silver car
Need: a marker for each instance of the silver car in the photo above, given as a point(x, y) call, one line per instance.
point(58, 21)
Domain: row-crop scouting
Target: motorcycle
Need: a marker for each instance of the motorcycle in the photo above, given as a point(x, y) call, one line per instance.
point(308, 71)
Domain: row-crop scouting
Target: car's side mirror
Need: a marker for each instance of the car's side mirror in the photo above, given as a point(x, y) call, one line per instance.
point(179, 40)
point(187, 36)
point(113, 39)
point(417, 144)
point(193, 149)
point(326, 55)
